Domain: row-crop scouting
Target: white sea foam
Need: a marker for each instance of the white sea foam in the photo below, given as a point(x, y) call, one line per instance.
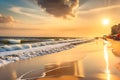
point(18, 52)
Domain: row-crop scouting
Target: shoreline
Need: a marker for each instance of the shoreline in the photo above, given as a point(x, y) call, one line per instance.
point(86, 55)
point(116, 47)
point(13, 56)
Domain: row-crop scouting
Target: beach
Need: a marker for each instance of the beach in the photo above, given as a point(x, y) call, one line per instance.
point(101, 65)
point(16, 52)
point(59, 40)
point(89, 60)
point(115, 46)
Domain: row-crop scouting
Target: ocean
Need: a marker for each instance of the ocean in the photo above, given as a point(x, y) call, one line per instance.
point(19, 43)
point(13, 49)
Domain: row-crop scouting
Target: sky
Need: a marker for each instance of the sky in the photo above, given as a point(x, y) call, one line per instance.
point(58, 18)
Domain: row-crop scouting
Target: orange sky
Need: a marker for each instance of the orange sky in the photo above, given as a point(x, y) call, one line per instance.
point(35, 21)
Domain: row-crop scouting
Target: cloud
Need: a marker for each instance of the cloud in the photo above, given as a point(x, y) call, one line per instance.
point(59, 8)
point(114, 7)
point(25, 11)
point(6, 19)
point(99, 13)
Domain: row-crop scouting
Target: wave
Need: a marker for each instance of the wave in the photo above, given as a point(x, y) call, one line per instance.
point(10, 41)
point(12, 53)
point(32, 45)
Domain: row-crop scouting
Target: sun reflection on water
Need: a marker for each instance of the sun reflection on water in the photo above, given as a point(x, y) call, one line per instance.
point(107, 71)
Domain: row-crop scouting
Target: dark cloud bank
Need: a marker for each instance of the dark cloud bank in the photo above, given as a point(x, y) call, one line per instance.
point(59, 8)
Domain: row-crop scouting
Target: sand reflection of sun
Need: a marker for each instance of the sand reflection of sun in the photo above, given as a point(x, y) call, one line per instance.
point(107, 71)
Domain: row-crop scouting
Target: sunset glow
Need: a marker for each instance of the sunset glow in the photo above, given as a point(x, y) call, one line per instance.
point(107, 71)
point(59, 39)
point(106, 21)
point(79, 18)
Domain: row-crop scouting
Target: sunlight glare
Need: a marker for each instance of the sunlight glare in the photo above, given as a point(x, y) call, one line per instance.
point(105, 21)
point(106, 57)
point(107, 71)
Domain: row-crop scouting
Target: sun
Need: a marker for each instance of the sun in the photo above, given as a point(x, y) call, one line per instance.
point(106, 21)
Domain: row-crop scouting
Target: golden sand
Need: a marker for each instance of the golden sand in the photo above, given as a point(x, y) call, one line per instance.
point(61, 78)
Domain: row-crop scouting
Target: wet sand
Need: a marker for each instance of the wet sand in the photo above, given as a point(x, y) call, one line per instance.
point(91, 61)
point(116, 50)
point(62, 78)
point(99, 67)
point(116, 47)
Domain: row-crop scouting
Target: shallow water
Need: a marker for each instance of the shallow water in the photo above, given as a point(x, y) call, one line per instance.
point(91, 61)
